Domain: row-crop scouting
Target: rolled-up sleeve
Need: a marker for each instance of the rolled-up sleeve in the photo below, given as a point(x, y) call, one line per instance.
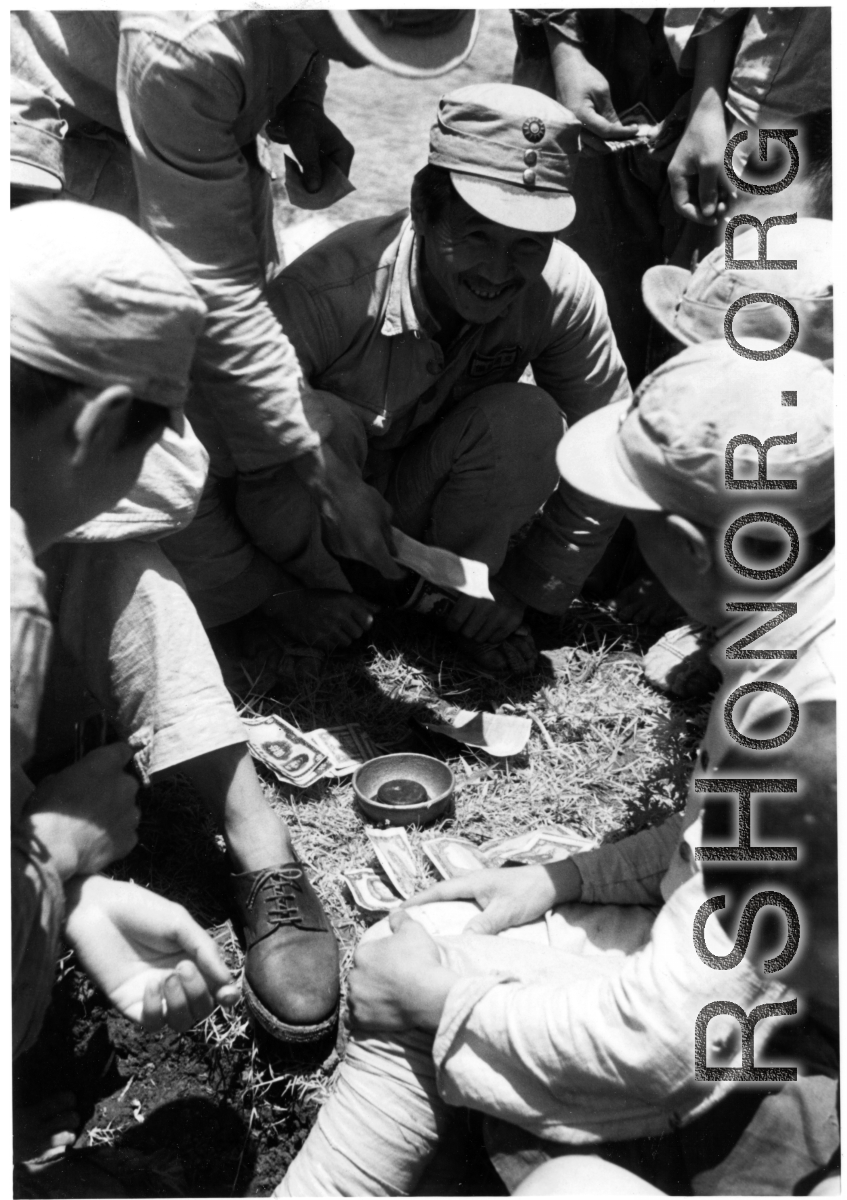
point(683, 25)
point(630, 871)
point(197, 199)
point(582, 369)
point(594, 1053)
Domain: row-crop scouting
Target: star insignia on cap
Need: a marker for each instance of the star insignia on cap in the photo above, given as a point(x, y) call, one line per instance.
point(534, 129)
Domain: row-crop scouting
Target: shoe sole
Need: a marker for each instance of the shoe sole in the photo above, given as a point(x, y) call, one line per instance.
point(301, 1046)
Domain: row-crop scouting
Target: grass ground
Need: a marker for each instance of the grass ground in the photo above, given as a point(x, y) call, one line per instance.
point(606, 755)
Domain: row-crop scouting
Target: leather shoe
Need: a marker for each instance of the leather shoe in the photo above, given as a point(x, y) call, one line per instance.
point(291, 966)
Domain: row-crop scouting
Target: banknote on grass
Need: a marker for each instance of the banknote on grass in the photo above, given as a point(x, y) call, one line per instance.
point(345, 746)
point(547, 844)
point(284, 750)
point(453, 856)
point(302, 758)
point(394, 851)
point(372, 895)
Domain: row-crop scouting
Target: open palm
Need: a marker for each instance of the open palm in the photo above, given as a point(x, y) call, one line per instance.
point(152, 960)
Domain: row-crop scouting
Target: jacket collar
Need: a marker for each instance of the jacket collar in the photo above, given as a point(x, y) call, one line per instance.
point(407, 310)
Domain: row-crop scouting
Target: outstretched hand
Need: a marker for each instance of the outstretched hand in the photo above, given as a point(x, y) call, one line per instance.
point(585, 91)
point(356, 519)
point(152, 960)
point(508, 896)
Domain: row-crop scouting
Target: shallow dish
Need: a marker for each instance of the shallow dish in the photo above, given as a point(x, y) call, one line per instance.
point(430, 773)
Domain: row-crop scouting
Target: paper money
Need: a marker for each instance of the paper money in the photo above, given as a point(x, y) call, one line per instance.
point(302, 758)
point(346, 747)
point(442, 567)
point(496, 733)
point(371, 895)
point(453, 856)
point(647, 128)
point(547, 844)
point(284, 750)
point(394, 850)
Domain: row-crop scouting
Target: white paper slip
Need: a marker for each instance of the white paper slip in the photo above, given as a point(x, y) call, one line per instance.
point(495, 733)
point(443, 567)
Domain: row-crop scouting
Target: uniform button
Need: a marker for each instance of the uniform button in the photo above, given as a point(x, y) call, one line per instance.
point(529, 177)
point(433, 367)
point(530, 157)
point(685, 851)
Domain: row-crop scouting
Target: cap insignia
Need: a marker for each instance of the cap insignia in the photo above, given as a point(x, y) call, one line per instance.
point(534, 129)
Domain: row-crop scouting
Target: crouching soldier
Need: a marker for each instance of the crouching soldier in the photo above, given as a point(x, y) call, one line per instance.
point(415, 331)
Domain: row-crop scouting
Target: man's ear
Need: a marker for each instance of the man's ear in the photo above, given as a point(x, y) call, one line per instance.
point(694, 542)
point(101, 423)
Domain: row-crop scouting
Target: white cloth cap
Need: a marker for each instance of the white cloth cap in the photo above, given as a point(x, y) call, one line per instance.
point(97, 301)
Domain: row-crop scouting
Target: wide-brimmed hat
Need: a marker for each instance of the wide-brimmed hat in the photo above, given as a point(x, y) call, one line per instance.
point(692, 306)
point(511, 153)
point(415, 42)
point(95, 300)
point(667, 450)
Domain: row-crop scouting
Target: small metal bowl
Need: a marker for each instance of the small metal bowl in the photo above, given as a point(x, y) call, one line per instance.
point(431, 773)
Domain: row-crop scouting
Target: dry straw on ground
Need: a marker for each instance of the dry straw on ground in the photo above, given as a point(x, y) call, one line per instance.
point(607, 754)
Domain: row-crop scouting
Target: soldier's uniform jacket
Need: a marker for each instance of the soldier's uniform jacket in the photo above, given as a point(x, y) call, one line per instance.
point(355, 313)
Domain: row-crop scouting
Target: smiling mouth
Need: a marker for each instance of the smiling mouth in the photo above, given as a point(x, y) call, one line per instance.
point(488, 291)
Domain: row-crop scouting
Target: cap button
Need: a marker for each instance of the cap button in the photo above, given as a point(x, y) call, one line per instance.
point(530, 157)
point(529, 177)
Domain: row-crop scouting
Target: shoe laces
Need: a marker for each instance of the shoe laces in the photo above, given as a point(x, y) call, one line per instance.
point(282, 887)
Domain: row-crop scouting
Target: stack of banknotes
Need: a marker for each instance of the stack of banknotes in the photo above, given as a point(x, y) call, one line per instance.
point(375, 896)
point(302, 758)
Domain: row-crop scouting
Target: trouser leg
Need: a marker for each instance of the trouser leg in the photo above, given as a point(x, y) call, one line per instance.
point(378, 1132)
point(380, 1129)
point(126, 619)
point(226, 576)
point(472, 480)
point(281, 516)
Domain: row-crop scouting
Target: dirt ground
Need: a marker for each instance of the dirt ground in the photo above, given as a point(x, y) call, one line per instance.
point(606, 756)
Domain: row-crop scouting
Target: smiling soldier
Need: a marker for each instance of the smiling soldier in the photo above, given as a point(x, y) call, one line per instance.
point(415, 330)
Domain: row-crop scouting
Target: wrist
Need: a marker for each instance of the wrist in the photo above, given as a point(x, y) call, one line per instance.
point(429, 997)
point(566, 881)
point(47, 828)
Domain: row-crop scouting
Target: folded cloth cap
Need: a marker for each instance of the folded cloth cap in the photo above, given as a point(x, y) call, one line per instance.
point(97, 301)
point(511, 153)
point(415, 42)
point(667, 450)
point(692, 305)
